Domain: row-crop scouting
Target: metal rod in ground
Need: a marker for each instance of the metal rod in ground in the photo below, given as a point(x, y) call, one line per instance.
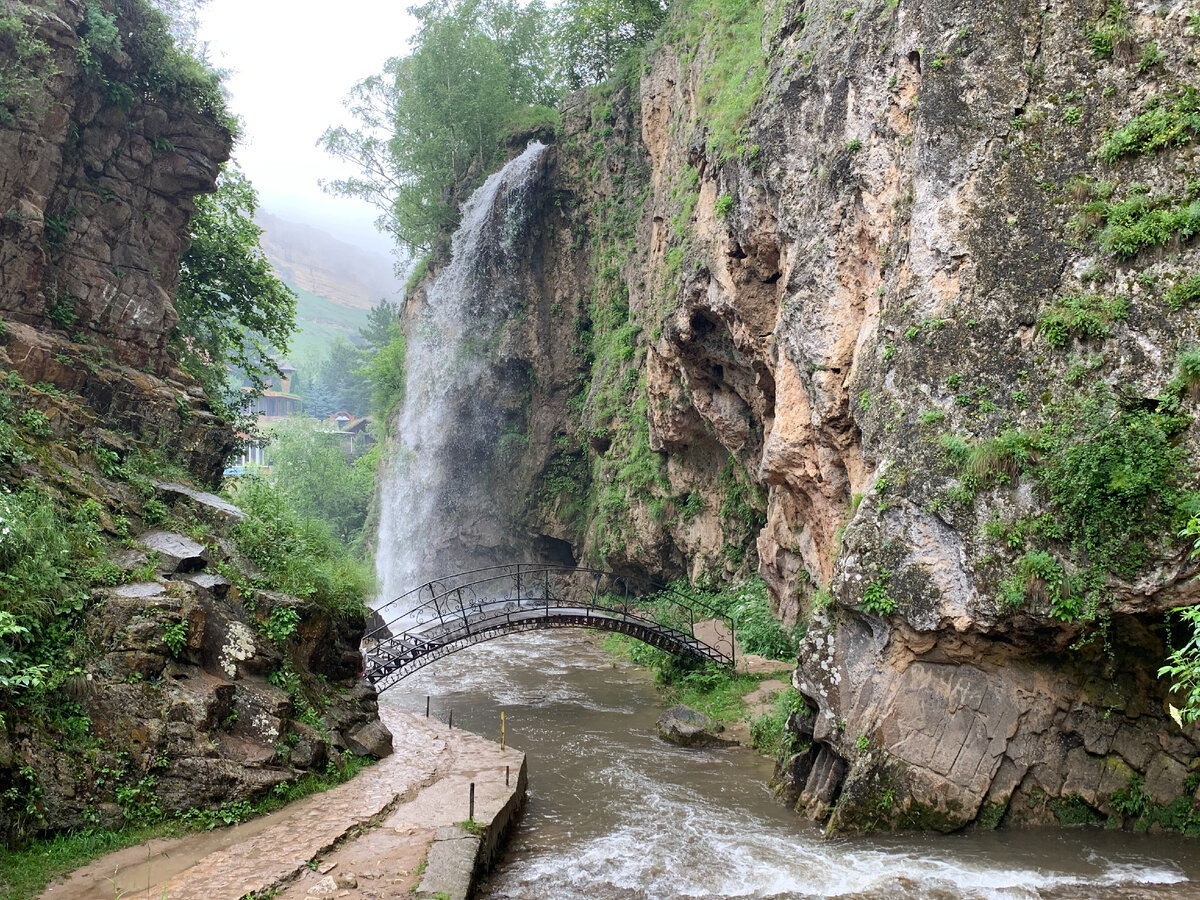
point(427, 706)
point(501, 729)
point(471, 814)
point(506, 768)
point(451, 719)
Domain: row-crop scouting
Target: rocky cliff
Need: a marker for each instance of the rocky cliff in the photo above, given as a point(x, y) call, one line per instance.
point(892, 302)
point(141, 669)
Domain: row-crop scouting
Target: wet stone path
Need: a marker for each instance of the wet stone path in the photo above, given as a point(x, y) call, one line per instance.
point(363, 840)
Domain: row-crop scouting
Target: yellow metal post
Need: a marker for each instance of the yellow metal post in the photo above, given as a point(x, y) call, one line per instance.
point(501, 729)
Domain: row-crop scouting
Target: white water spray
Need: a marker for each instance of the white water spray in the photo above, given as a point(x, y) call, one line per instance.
point(448, 425)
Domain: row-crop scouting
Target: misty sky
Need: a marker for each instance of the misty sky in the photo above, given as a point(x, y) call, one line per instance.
point(292, 62)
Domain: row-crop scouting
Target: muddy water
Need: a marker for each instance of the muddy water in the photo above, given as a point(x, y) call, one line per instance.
point(616, 813)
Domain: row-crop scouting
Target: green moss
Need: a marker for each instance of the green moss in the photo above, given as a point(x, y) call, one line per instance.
point(1073, 810)
point(990, 815)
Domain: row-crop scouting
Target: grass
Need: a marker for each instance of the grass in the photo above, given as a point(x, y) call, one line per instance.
point(318, 322)
point(735, 75)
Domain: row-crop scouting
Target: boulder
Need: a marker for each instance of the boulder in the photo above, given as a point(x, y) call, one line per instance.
point(687, 727)
point(176, 553)
point(372, 739)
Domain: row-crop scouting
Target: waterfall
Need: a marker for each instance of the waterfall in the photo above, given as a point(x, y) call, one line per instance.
point(435, 514)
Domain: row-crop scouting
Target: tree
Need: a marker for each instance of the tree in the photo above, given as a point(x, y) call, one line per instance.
point(386, 373)
point(593, 35)
point(311, 469)
point(430, 122)
point(234, 314)
point(378, 331)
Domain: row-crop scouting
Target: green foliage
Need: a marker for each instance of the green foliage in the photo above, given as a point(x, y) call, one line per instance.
point(233, 311)
point(1169, 121)
point(1081, 316)
point(1074, 810)
point(594, 37)
point(758, 630)
point(1182, 666)
point(530, 120)
point(432, 120)
point(416, 276)
point(768, 732)
point(1131, 800)
point(298, 554)
point(26, 67)
point(713, 691)
point(1139, 222)
point(175, 637)
point(876, 599)
point(130, 54)
point(1151, 57)
point(1001, 458)
point(282, 624)
point(1114, 475)
point(1183, 292)
point(723, 206)
point(733, 77)
point(60, 309)
point(1039, 576)
point(1111, 36)
point(743, 509)
point(313, 474)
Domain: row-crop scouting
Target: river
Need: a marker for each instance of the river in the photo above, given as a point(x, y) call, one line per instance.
point(616, 813)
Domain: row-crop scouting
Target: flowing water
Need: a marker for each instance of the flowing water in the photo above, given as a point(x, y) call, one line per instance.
point(449, 423)
point(613, 811)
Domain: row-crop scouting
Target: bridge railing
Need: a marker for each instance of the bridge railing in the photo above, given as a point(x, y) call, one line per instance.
point(458, 599)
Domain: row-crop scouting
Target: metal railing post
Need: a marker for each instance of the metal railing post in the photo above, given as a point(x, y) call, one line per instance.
point(463, 611)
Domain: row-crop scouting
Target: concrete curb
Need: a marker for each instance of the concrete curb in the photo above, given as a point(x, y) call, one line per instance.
point(457, 858)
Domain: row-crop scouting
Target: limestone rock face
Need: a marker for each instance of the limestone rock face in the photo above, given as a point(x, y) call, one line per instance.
point(816, 318)
point(98, 200)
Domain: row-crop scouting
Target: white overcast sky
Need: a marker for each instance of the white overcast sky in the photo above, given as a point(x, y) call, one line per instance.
point(292, 62)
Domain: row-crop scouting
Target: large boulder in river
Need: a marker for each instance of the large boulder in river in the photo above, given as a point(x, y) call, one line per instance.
point(687, 727)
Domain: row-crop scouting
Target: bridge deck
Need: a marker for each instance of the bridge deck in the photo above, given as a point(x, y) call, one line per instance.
point(473, 610)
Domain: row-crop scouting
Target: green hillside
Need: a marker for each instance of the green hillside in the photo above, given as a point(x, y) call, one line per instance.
point(318, 322)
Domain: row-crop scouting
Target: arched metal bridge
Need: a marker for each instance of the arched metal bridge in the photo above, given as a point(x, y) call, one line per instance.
point(446, 615)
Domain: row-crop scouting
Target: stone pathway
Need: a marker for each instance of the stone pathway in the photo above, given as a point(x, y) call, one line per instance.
point(364, 839)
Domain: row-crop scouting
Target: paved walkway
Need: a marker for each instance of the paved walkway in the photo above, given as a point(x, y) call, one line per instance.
point(368, 835)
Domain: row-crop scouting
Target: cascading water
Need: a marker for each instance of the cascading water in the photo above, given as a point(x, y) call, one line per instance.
point(435, 513)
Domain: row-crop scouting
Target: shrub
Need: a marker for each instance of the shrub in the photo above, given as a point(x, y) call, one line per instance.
point(299, 555)
point(758, 630)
